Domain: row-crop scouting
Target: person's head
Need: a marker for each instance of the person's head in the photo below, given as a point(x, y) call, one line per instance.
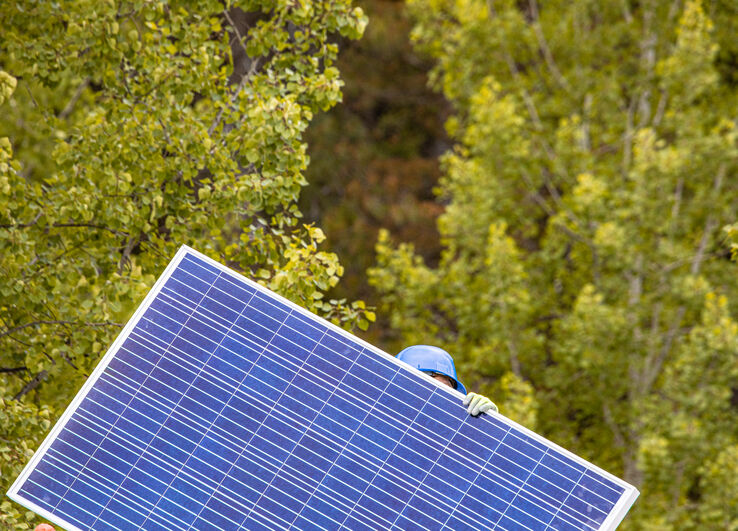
point(432, 360)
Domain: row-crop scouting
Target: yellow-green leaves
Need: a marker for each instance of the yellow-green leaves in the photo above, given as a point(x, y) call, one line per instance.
point(584, 198)
point(720, 491)
point(689, 71)
point(517, 400)
point(25, 425)
point(142, 126)
point(732, 233)
point(7, 86)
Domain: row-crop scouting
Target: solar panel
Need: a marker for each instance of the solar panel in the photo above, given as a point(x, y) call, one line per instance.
point(222, 405)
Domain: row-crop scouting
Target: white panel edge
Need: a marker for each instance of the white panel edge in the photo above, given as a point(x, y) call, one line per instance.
point(324, 321)
point(43, 513)
point(13, 493)
point(630, 492)
point(614, 518)
point(621, 509)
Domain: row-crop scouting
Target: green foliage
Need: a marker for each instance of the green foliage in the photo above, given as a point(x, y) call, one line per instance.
point(596, 146)
point(24, 426)
point(136, 127)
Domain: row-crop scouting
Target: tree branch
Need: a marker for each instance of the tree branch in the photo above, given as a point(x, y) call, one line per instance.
point(63, 225)
point(628, 136)
point(653, 366)
point(654, 363)
point(22, 225)
point(543, 45)
point(514, 359)
point(240, 38)
point(648, 58)
point(33, 384)
point(72, 323)
point(586, 142)
point(532, 111)
point(125, 257)
point(626, 12)
point(92, 226)
point(244, 79)
point(7, 370)
point(75, 97)
point(660, 109)
point(610, 421)
point(677, 203)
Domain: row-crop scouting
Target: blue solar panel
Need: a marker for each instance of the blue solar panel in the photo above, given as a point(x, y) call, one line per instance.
point(223, 406)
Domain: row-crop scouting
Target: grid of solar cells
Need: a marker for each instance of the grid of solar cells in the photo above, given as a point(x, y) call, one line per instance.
point(226, 408)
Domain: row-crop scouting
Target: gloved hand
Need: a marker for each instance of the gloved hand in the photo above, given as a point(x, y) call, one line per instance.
point(477, 404)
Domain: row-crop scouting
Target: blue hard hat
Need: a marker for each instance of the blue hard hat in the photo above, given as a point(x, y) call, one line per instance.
point(431, 359)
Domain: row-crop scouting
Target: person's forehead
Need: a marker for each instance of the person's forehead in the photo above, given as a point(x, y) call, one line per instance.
point(443, 377)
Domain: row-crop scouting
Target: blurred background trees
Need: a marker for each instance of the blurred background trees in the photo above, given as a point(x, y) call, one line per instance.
point(584, 279)
point(374, 158)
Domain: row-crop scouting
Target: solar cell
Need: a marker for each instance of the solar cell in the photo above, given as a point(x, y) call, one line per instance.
point(223, 406)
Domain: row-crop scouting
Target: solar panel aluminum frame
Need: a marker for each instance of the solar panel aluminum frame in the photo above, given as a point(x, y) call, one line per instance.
point(614, 518)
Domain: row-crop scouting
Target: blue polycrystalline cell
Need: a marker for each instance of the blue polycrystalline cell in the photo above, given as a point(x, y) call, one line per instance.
point(223, 406)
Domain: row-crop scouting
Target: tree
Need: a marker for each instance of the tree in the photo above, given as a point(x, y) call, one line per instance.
point(130, 128)
point(584, 280)
point(374, 158)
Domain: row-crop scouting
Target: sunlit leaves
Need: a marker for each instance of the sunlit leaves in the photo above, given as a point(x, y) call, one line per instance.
point(138, 127)
point(592, 173)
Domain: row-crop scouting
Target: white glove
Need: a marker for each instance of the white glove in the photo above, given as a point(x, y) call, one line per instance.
point(477, 404)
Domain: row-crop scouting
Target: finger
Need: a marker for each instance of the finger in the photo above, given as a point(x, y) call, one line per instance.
point(468, 399)
point(489, 406)
point(474, 405)
point(470, 402)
